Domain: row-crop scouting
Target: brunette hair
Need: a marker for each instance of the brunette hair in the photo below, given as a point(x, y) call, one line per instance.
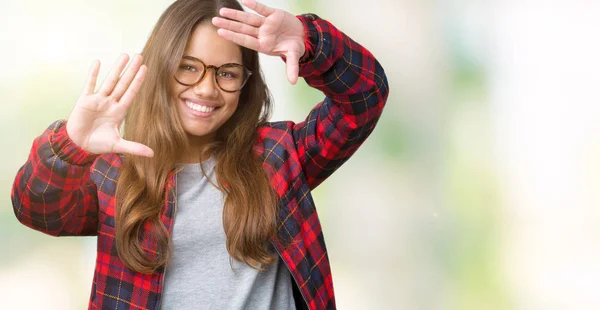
point(249, 214)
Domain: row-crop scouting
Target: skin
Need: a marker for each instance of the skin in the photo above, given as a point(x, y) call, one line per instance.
point(205, 44)
point(97, 116)
point(272, 32)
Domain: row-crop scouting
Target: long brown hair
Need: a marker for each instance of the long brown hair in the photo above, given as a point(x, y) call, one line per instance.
point(249, 214)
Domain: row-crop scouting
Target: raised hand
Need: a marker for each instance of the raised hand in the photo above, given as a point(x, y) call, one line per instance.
point(274, 32)
point(97, 116)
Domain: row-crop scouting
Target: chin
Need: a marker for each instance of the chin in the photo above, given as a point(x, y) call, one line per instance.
point(199, 132)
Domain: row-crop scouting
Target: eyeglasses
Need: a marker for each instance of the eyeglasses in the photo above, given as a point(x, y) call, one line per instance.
point(229, 77)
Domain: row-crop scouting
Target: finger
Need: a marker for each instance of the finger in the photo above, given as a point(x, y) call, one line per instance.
point(292, 66)
point(90, 83)
point(134, 87)
point(235, 26)
point(258, 7)
point(113, 75)
point(133, 148)
point(127, 77)
point(241, 16)
point(240, 39)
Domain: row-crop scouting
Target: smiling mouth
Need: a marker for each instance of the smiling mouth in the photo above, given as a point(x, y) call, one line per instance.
point(199, 107)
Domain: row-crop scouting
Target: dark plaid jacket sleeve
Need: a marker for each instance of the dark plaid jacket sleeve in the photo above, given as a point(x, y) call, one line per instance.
point(53, 192)
point(356, 90)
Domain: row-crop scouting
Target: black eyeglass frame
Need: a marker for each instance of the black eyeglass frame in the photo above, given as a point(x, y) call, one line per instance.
point(247, 72)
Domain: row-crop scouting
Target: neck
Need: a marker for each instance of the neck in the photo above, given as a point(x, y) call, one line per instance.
point(194, 152)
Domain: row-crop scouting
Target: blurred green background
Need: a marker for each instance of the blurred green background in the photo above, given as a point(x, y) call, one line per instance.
point(477, 190)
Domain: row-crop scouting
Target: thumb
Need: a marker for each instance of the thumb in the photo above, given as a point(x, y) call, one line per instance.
point(292, 66)
point(133, 148)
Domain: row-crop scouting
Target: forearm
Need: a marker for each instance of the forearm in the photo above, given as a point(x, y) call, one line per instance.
point(356, 90)
point(346, 72)
point(53, 192)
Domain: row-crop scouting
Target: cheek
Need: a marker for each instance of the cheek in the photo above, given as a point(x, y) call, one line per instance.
point(232, 100)
point(175, 89)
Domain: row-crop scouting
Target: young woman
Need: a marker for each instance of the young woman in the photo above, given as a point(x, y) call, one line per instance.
point(202, 202)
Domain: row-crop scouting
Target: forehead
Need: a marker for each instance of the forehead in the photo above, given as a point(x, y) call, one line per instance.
point(205, 44)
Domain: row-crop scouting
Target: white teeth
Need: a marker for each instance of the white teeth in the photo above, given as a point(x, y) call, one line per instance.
point(199, 108)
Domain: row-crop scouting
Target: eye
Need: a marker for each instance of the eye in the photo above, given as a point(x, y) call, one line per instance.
point(188, 68)
point(227, 75)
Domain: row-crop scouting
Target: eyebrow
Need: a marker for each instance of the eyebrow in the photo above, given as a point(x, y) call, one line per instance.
point(192, 58)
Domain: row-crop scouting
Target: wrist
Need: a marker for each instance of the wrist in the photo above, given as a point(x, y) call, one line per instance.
point(307, 46)
point(67, 149)
point(70, 134)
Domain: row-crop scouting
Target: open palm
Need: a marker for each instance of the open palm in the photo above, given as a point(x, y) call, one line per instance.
point(97, 116)
point(274, 32)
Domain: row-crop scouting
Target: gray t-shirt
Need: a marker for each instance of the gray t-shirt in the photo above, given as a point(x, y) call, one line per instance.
point(200, 275)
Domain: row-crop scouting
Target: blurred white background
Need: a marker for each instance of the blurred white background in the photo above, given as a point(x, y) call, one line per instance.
point(477, 190)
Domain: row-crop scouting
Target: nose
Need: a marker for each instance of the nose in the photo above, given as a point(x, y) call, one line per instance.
point(207, 87)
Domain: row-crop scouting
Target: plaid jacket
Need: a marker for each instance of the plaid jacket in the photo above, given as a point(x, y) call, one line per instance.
point(64, 191)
